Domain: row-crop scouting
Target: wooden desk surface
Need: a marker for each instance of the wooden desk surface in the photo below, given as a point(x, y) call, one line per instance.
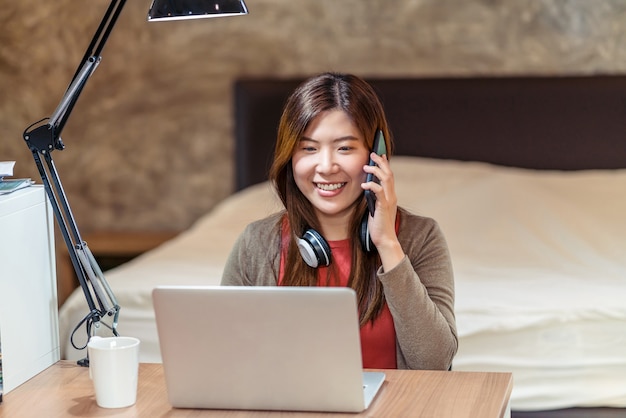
point(65, 390)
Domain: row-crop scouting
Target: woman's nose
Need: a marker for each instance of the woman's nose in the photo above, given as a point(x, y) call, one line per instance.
point(326, 162)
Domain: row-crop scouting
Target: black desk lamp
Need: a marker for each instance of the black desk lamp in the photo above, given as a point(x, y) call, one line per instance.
point(44, 136)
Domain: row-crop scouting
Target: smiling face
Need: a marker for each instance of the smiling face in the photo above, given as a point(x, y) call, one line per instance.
point(328, 167)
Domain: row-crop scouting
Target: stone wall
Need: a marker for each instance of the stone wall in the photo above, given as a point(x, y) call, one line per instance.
point(149, 145)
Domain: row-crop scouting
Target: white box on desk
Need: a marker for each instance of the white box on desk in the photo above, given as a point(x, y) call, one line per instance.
point(29, 325)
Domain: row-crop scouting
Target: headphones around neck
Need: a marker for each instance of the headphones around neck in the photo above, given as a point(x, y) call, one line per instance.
point(316, 252)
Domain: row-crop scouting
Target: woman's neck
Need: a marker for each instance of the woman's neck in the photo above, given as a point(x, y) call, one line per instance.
point(335, 227)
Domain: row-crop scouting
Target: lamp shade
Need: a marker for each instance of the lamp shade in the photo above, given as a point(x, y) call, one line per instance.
point(195, 9)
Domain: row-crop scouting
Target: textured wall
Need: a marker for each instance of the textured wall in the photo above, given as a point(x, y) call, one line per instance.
point(149, 145)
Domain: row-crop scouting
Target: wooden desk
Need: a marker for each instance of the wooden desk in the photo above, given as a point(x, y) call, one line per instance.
point(65, 390)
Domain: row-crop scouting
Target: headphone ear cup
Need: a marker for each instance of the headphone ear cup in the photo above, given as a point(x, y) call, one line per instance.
point(314, 249)
point(364, 235)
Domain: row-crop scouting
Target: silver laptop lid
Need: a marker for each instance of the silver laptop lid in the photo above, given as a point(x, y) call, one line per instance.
point(264, 348)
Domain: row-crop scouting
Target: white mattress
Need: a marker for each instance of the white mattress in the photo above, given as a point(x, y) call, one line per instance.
point(540, 272)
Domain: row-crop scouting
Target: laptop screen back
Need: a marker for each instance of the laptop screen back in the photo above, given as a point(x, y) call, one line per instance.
point(264, 348)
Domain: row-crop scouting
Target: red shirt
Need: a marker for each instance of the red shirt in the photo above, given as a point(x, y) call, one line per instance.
point(378, 337)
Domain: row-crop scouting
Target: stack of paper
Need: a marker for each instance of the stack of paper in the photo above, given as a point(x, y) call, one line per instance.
point(11, 185)
point(6, 168)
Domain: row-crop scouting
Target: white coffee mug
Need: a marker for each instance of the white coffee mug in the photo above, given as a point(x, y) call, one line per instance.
point(113, 368)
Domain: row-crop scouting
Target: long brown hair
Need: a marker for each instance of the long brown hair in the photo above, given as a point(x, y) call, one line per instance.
point(354, 96)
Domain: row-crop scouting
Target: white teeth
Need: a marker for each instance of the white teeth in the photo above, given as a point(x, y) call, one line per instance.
point(330, 187)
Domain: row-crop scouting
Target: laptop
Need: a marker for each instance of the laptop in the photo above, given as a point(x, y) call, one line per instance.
point(263, 348)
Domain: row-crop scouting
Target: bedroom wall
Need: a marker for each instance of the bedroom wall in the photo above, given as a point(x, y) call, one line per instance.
point(149, 145)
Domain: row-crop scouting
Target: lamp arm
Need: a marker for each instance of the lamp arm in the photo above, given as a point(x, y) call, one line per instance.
point(87, 66)
point(90, 276)
point(42, 138)
point(61, 113)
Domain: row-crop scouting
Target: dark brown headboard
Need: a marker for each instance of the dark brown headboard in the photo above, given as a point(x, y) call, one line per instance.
point(567, 123)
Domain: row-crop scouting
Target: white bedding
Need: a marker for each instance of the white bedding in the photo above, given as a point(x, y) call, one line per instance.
point(540, 272)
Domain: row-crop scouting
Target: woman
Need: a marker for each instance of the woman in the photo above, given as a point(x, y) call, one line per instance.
point(405, 285)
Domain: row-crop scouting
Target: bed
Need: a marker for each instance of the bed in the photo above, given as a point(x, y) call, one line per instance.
point(527, 178)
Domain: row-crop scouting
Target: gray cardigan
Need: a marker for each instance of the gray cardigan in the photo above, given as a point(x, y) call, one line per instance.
point(419, 291)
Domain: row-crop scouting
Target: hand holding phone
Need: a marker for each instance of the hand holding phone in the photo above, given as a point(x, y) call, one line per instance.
point(380, 149)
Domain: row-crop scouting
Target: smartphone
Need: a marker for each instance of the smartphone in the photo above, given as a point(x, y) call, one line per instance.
point(381, 149)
